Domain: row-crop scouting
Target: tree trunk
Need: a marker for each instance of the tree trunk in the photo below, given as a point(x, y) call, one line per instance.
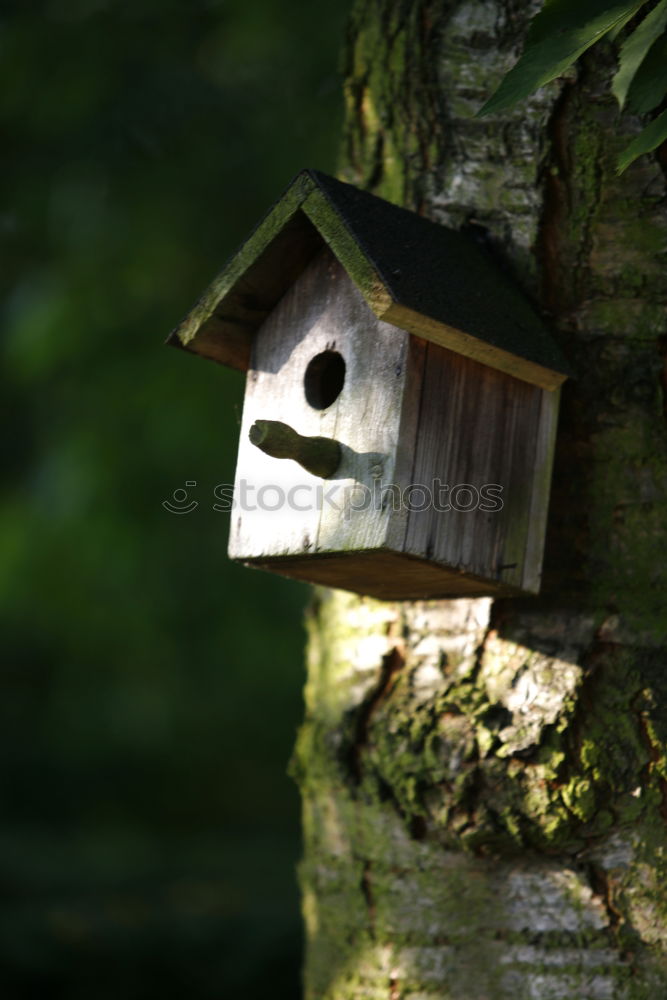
point(485, 785)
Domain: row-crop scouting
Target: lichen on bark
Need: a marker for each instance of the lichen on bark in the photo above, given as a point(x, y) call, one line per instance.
point(484, 786)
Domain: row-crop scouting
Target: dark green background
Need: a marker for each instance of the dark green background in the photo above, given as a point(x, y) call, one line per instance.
point(150, 689)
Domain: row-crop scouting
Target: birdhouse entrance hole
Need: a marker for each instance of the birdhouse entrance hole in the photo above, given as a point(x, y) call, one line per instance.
point(324, 379)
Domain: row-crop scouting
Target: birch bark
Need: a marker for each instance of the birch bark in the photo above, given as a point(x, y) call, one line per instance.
point(484, 786)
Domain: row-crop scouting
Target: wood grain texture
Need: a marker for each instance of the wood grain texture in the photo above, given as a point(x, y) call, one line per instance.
point(323, 311)
point(545, 446)
point(473, 347)
point(443, 483)
point(478, 429)
point(385, 575)
point(292, 335)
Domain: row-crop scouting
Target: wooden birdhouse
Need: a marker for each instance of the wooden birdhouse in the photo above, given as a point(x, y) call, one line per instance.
point(400, 406)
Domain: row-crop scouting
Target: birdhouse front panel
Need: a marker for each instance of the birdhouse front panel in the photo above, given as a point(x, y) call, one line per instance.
point(326, 367)
point(401, 401)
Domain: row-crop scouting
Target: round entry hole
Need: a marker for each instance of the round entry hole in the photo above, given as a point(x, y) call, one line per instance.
point(324, 379)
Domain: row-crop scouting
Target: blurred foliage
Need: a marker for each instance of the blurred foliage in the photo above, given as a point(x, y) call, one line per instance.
point(150, 689)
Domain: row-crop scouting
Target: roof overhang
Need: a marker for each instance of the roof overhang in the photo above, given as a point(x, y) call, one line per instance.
point(413, 273)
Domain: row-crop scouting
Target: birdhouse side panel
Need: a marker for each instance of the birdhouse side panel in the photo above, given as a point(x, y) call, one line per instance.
point(545, 447)
point(476, 451)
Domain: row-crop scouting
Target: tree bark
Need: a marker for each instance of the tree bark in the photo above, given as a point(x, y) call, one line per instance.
point(485, 785)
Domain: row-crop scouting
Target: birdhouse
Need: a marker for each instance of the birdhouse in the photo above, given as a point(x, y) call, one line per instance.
point(400, 406)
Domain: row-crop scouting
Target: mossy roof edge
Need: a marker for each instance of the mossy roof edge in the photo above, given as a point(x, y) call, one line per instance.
point(391, 253)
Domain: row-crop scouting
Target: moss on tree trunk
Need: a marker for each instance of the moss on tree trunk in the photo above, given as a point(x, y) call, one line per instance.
point(484, 786)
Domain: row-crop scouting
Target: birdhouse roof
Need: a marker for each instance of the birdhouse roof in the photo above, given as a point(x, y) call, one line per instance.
point(416, 274)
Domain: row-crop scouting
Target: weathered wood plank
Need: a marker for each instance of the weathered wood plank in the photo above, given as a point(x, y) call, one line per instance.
point(324, 311)
point(476, 434)
point(297, 329)
point(465, 343)
point(369, 420)
point(440, 438)
point(384, 575)
point(545, 445)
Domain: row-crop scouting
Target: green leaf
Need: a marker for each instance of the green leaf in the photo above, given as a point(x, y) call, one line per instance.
point(557, 36)
point(635, 48)
point(652, 136)
point(650, 81)
point(558, 16)
point(614, 32)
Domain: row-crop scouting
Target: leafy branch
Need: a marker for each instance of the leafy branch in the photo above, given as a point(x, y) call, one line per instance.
point(564, 29)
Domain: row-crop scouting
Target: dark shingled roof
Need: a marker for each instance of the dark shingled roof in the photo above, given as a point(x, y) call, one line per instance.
point(438, 273)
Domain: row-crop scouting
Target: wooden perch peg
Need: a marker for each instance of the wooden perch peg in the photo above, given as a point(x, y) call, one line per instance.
point(318, 455)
